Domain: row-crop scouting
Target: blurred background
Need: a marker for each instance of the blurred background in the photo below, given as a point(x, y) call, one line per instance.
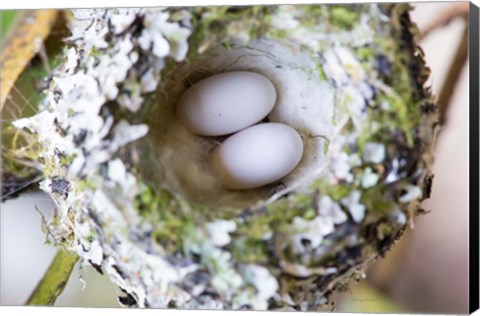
point(426, 272)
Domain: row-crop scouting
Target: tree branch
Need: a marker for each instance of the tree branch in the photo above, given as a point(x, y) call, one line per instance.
point(453, 75)
point(54, 280)
point(458, 10)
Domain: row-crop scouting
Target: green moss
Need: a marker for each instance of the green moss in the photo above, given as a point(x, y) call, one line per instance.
point(67, 160)
point(321, 71)
point(365, 53)
point(344, 16)
point(313, 14)
point(276, 216)
point(310, 214)
point(405, 117)
point(336, 192)
point(280, 34)
point(405, 95)
point(82, 185)
point(218, 24)
point(249, 250)
point(384, 230)
point(376, 201)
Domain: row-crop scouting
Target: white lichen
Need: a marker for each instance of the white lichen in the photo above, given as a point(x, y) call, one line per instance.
point(352, 202)
point(374, 152)
point(369, 178)
point(312, 231)
point(219, 232)
point(413, 193)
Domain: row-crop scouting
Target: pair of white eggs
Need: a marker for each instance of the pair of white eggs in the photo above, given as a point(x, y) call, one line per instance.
point(232, 102)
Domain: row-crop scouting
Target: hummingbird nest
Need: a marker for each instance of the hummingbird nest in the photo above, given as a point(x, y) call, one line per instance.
point(135, 199)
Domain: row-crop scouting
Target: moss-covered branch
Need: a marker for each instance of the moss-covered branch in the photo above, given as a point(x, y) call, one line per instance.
point(54, 280)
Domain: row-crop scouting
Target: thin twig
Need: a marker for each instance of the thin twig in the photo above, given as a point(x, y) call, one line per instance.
point(458, 10)
point(11, 185)
point(54, 280)
point(453, 75)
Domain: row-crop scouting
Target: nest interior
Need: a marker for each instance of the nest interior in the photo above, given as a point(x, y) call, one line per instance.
point(305, 101)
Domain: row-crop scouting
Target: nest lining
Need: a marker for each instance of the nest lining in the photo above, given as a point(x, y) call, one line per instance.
point(304, 101)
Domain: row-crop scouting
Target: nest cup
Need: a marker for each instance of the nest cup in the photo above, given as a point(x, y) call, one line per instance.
point(304, 101)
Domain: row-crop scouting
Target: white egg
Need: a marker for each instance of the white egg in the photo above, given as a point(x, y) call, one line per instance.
point(258, 155)
point(226, 103)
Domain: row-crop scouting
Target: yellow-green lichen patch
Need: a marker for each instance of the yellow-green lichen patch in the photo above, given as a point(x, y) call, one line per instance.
point(227, 25)
point(345, 17)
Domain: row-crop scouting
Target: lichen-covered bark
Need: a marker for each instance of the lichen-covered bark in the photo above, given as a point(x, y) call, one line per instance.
point(314, 233)
point(55, 280)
